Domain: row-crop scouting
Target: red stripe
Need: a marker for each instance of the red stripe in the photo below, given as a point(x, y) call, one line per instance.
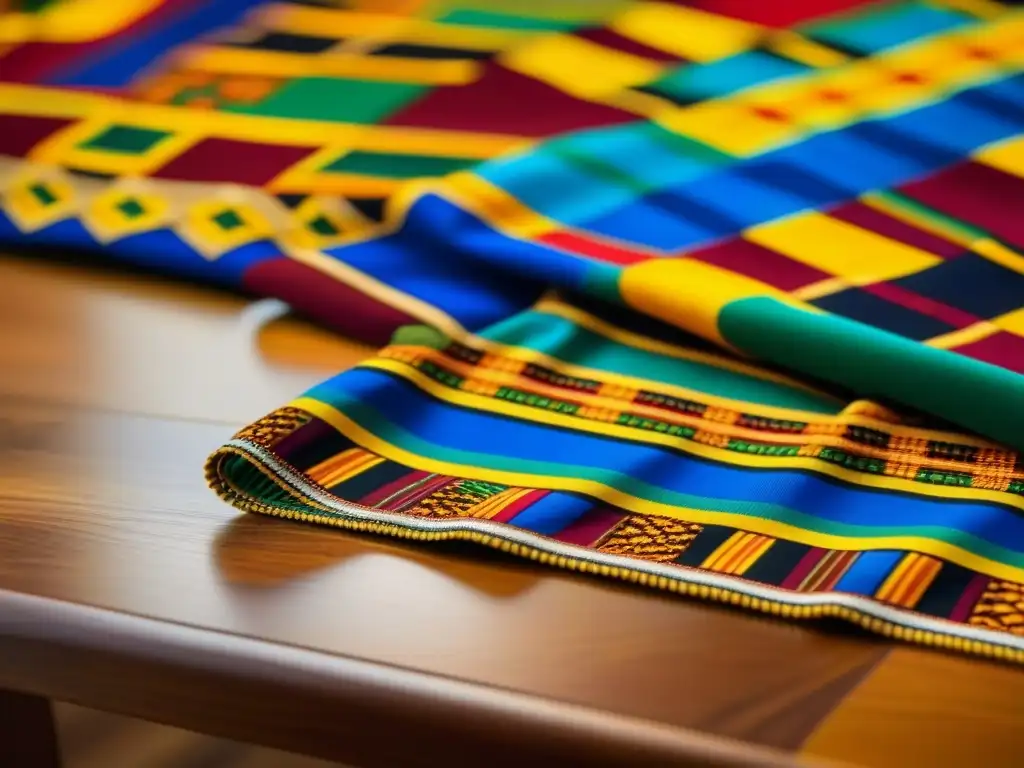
point(868, 218)
point(37, 62)
point(804, 567)
point(590, 526)
point(608, 38)
point(969, 598)
point(573, 243)
point(978, 195)
point(376, 497)
point(519, 505)
point(897, 295)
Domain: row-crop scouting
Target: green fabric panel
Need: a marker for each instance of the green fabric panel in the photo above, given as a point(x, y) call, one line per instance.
point(398, 166)
point(506, 21)
point(875, 363)
point(125, 140)
point(565, 340)
point(333, 98)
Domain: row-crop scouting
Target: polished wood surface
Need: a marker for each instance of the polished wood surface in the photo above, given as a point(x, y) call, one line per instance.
point(93, 739)
point(112, 392)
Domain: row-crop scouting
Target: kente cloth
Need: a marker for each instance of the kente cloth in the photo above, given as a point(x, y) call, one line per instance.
point(720, 297)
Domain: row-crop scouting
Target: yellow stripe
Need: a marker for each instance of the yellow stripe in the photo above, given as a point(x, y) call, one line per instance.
point(840, 249)
point(327, 466)
point(72, 21)
point(535, 415)
point(492, 506)
point(53, 102)
point(347, 184)
point(731, 126)
point(617, 497)
point(384, 27)
point(496, 206)
point(239, 61)
point(482, 380)
point(998, 253)
point(762, 546)
point(629, 339)
point(341, 474)
point(909, 216)
point(971, 333)
point(912, 594)
point(895, 579)
point(726, 549)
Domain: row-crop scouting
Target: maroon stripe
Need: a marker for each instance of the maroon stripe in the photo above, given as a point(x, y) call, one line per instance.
point(1001, 348)
point(752, 260)
point(804, 567)
point(976, 194)
point(969, 598)
point(390, 489)
point(897, 295)
point(312, 431)
point(868, 218)
point(610, 39)
point(590, 526)
point(415, 495)
point(19, 133)
point(326, 299)
point(38, 62)
point(513, 509)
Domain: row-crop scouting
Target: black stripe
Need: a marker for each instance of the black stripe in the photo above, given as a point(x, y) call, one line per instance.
point(371, 207)
point(653, 90)
point(707, 541)
point(944, 592)
point(366, 482)
point(289, 43)
point(777, 562)
point(411, 51)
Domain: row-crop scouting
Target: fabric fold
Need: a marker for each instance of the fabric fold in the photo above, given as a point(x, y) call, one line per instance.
point(725, 299)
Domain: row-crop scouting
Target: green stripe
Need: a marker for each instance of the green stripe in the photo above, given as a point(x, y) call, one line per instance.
point(565, 340)
point(874, 363)
point(372, 421)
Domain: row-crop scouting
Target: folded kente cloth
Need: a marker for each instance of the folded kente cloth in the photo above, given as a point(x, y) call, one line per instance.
point(721, 297)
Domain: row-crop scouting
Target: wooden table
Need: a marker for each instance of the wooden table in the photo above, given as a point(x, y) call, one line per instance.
point(126, 586)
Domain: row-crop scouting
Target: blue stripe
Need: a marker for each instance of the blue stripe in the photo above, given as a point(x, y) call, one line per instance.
point(451, 259)
point(553, 512)
point(883, 152)
point(868, 572)
point(120, 61)
point(702, 483)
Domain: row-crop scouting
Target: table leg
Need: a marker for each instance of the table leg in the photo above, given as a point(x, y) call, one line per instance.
point(28, 734)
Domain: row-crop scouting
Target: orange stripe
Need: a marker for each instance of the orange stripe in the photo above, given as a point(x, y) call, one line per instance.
point(739, 554)
point(835, 573)
point(818, 572)
point(351, 468)
point(738, 539)
point(763, 546)
point(339, 459)
point(894, 581)
point(928, 568)
point(492, 506)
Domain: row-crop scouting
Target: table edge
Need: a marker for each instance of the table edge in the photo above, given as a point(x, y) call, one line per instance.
point(72, 652)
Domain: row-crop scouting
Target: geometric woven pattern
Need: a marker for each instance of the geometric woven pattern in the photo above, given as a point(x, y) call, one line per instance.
point(718, 297)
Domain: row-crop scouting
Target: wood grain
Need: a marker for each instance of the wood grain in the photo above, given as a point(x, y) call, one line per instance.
point(925, 708)
point(93, 739)
point(114, 390)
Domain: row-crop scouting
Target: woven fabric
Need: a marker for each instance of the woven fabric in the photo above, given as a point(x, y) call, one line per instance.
point(720, 297)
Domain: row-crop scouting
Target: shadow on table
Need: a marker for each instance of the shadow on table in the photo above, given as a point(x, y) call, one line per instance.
point(258, 551)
